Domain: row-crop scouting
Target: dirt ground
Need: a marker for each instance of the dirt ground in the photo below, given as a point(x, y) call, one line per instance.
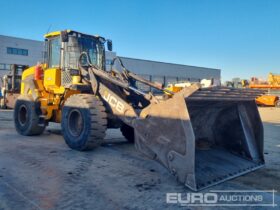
point(43, 173)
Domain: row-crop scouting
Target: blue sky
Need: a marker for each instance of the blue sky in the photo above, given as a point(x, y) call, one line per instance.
point(241, 37)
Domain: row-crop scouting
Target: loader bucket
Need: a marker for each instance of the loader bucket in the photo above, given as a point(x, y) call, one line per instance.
point(203, 136)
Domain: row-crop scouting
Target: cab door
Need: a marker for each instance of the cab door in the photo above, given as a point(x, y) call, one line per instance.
point(52, 75)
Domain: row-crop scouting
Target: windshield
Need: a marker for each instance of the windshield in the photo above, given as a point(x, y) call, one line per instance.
point(76, 45)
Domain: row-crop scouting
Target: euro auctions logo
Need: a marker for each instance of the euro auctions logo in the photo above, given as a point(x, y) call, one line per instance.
point(224, 198)
point(192, 198)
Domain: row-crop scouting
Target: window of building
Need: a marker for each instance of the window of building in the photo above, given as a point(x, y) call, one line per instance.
point(9, 50)
point(25, 52)
point(2, 66)
point(17, 51)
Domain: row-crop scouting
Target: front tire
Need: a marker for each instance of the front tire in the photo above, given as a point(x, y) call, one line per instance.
point(84, 122)
point(26, 117)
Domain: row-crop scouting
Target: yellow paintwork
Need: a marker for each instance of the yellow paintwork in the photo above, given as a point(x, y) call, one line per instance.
point(76, 79)
point(267, 100)
point(52, 78)
point(25, 74)
point(48, 91)
point(57, 33)
point(173, 88)
point(52, 81)
point(54, 33)
point(273, 79)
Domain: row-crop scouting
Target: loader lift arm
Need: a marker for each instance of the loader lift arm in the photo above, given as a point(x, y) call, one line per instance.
point(118, 105)
point(172, 132)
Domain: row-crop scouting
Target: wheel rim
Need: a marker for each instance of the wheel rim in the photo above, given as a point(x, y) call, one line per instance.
point(75, 122)
point(22, 115)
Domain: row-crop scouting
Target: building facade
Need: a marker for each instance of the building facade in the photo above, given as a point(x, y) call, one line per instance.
point(15, 50)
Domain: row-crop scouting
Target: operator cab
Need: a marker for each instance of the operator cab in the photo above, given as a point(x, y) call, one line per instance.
point(65, 47)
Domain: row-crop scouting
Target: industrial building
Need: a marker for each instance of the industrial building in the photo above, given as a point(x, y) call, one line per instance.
point(14, 50)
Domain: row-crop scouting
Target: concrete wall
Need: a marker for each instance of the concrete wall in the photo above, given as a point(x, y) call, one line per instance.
point(170, 70)
point(166, 73)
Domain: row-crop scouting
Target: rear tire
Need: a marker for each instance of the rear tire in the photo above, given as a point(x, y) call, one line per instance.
point(84, 122)
point(128, 132)
point(277, 103)
point(26, 117)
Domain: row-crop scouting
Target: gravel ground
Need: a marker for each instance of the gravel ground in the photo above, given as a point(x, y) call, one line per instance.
point(43, 173)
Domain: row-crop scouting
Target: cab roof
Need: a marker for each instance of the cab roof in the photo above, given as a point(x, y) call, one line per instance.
point(57, 33)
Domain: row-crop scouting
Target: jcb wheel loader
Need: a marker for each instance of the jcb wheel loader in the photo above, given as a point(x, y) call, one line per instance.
point(203, 136)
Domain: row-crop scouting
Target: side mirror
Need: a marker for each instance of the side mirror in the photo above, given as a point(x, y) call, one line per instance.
point(64, 36)
point(109, 45)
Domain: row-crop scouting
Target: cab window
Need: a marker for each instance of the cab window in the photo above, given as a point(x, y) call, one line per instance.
point(54, 53)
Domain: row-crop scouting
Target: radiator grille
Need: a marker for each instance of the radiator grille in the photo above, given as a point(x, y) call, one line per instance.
point(66, 78)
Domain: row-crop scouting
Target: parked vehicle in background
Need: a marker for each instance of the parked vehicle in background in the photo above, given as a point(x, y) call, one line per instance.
point(10, 89)
point(272, 86)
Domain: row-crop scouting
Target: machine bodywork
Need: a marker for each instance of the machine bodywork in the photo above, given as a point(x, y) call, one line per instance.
point(203, 136)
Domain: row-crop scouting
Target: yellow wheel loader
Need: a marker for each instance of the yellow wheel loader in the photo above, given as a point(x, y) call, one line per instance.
point(203, 136)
